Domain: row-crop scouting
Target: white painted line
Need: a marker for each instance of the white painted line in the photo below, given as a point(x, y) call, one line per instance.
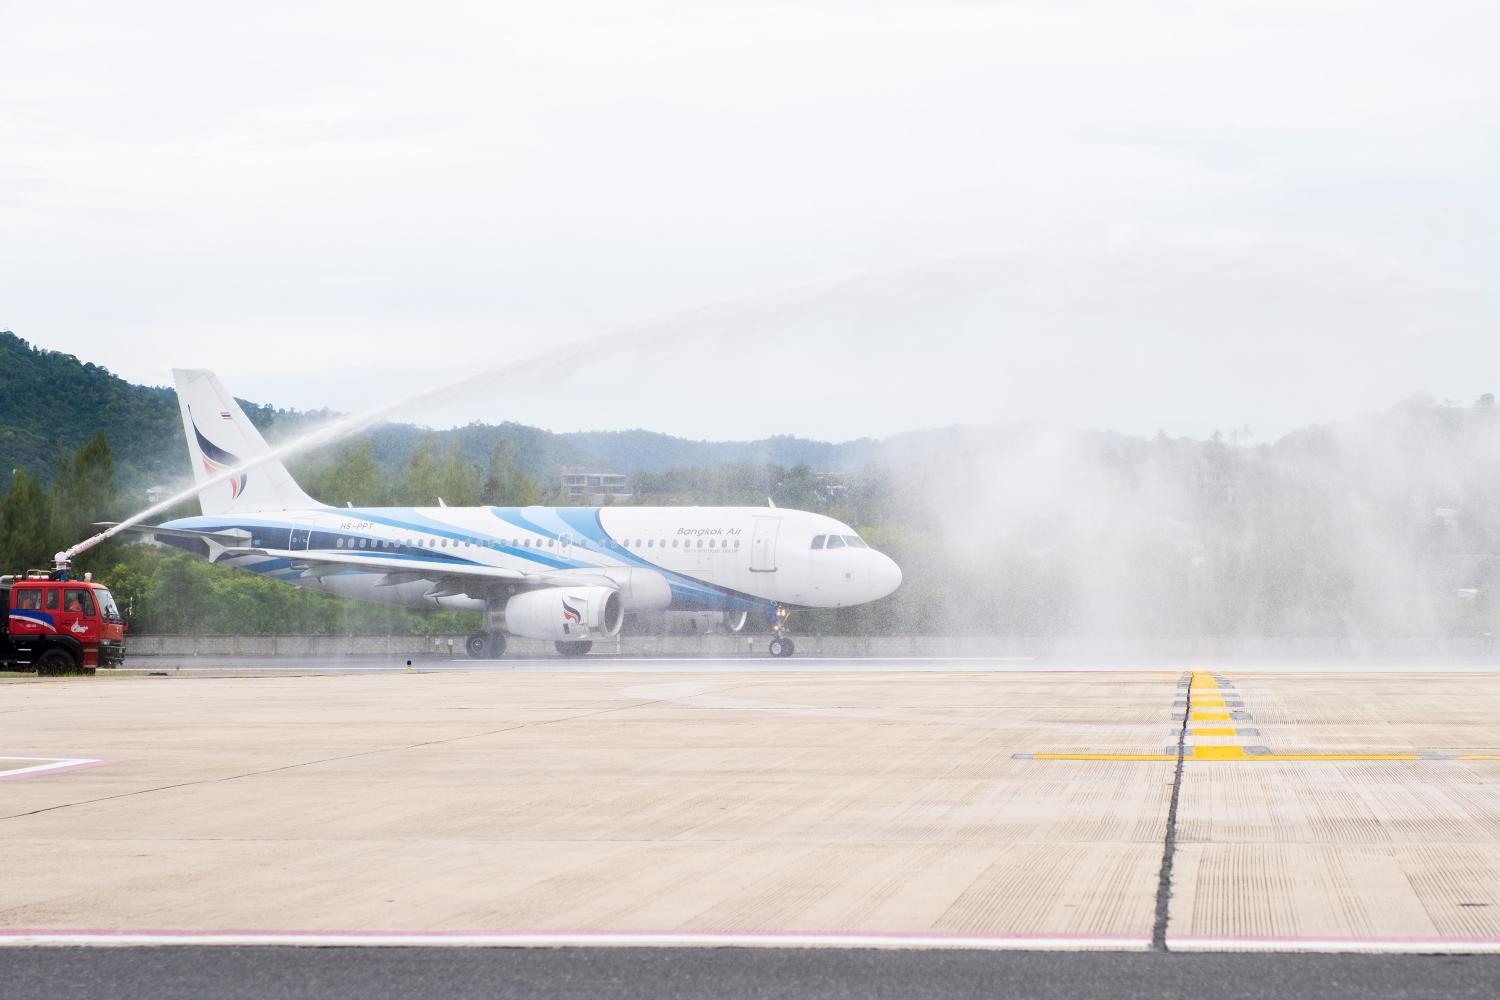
point(1393, 946)
point(47, 764)
point(548, 939)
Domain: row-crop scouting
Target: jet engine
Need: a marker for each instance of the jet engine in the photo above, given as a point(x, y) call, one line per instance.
point(565, 613)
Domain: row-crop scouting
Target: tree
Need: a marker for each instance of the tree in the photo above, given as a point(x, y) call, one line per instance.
point(429, 476)
point(507, 485)
point(23, 537)
point(353, 476)
point(83, 494)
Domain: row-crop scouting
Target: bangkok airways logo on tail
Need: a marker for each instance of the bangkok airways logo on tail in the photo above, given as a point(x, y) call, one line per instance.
point(216, 460)
point(570, 614)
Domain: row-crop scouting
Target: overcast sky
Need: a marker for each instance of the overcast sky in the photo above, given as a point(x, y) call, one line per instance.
point(833, 219)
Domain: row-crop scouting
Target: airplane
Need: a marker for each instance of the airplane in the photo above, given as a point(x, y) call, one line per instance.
point(565, 574)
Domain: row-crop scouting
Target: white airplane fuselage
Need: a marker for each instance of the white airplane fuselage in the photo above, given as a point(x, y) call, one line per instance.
point(691, 558)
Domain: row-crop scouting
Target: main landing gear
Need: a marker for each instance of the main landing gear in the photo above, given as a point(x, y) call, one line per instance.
point(781, 645)
point(485, 645)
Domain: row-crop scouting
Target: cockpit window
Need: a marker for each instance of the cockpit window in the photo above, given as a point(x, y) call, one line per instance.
point(818, 541)
point(835, 542)
point(855, 542)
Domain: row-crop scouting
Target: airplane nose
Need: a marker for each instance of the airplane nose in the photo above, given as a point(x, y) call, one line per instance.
point(887, 575)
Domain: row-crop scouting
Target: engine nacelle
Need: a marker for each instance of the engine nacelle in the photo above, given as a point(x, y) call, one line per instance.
point(642, 589)
point(565, 613)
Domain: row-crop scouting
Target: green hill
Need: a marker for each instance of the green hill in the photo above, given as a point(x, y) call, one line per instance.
point(51, 402)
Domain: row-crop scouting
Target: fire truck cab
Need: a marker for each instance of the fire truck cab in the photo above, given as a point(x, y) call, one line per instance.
point(57, 626)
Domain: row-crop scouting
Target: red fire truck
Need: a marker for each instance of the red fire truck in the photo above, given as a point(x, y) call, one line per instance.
point(57, 625)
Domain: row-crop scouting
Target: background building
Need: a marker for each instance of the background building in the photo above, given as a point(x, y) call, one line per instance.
point(580, 485)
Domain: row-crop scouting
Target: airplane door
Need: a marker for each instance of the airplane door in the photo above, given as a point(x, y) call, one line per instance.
point(301, 534)
point(565, 542)
point(763, 545)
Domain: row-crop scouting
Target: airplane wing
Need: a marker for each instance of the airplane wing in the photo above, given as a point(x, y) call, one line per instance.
point(446, 580)
point(227, 539)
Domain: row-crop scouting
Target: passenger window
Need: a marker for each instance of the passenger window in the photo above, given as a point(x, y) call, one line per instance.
point(818, 541)
point(710, 543)
point(29, 600)
point(855, 542)
point(551, 542)
point(78, 602)
point(736, 543)
point(52, 600)
point(526, 543)
point(650, 543)
point(674, 543)
point(835, 542)
point(700, 543)
point(338, 543)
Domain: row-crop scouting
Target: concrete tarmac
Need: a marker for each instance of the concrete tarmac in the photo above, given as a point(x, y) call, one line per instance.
point(966, 808)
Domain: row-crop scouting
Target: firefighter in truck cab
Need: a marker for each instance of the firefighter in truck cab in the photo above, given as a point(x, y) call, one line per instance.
point(57, 625)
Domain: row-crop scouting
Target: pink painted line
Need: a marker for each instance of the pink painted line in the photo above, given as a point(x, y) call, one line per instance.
point(48, 765)
point(25, 937)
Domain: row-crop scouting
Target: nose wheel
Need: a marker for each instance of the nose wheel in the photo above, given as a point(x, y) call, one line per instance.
point(781, 645)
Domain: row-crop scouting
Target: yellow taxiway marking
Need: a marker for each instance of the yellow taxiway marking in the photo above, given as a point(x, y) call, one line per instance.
point(1217, 753)
point(1210, 707)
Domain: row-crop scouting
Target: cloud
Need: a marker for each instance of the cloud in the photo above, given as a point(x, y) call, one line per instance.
point(1121, 213)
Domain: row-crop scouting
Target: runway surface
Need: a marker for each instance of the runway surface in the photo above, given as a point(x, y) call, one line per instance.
point(950, 812)
point(487, 974)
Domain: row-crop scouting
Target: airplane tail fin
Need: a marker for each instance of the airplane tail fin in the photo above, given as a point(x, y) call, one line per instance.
point(220, 437)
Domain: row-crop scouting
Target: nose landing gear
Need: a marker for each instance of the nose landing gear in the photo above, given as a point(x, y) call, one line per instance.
point(781, 645)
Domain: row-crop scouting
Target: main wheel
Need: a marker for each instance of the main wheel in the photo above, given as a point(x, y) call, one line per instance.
point(55, 661)
point(485, 645)
point(781, 646)
point(575, 648)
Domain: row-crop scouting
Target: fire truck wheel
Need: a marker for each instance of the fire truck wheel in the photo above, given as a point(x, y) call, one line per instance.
point(55, 661)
